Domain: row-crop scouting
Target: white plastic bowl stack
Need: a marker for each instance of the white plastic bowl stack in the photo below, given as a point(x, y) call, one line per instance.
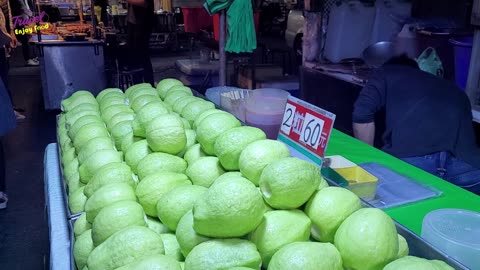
point(455, 232)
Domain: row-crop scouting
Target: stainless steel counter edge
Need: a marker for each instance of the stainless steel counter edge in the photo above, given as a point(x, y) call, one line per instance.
point(68, 43)
point(350, 78)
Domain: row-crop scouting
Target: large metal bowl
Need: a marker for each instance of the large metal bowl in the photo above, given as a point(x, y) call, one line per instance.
point(377, 54)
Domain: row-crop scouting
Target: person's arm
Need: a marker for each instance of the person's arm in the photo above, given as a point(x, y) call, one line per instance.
point(141, 3)
point(3, 30)
point(14, 42)
point(370, 100)
point(364, 132)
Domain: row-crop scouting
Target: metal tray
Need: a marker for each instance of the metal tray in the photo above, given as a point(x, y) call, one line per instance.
point(72, 241)
point(64, 183)
point(417, 245)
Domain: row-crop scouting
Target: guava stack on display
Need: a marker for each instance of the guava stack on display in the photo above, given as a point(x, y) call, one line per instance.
point(163, 180)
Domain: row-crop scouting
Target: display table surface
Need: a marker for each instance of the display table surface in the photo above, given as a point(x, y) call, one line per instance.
point(411, 215)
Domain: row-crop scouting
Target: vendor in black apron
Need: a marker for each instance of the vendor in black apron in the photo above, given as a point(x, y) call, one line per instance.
point(140, 20)
point(428, 121)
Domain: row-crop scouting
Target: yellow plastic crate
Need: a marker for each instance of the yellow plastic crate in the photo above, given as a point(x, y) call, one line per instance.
point(360, 181)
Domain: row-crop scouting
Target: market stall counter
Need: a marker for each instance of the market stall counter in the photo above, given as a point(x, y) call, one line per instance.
point(409, 215)
point(109, 180)
point(67, 66)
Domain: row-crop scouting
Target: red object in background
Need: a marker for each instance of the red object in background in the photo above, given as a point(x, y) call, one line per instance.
point(216, 24)
point(196, 18)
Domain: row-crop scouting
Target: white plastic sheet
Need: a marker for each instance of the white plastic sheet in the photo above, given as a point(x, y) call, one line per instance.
point(57, 216)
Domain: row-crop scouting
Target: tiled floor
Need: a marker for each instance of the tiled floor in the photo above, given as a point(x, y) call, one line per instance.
point(23, 228)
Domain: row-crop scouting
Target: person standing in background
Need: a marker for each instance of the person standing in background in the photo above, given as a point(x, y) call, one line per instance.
point(7, 116)
point(8, 42)
point(22, 9)
point(103, 13)
point(140, 20)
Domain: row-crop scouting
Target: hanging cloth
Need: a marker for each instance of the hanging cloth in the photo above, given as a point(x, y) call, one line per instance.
point(214, 6)
point(241, 27)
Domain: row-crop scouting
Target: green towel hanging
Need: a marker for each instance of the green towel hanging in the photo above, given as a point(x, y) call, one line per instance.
point(214, 6)
point(241, 27)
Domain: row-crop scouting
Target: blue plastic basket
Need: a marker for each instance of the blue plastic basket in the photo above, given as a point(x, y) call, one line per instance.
point(463, 52)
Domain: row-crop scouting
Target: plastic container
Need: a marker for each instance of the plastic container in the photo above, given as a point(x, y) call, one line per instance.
point(455, 232)
point(213, 94)
point(233, 101)
point(331, 175)
point(462, 49)
point(216, 24)
point(386, 26)
point(338, 161)
point(360, 181)
point(196, 18)
point(349, 23)
point(290, 84)
point(265, 108)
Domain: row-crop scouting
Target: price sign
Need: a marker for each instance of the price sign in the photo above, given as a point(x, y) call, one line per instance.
point(306, 127)
point(288, 118)
point(311, 131)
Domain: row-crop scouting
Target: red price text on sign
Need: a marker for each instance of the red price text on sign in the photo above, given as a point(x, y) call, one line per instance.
point(307, 125)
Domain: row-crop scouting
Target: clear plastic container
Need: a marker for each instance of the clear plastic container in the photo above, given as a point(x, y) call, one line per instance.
point(265, 108)
point(456, 232)
point(234, 102)
point(389, 17)
point(350, 22)
point(213, 94)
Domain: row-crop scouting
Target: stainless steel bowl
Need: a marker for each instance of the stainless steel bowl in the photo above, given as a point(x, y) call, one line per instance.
point(377, 54)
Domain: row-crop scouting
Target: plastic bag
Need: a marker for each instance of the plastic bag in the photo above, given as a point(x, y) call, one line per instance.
point(430, 62)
